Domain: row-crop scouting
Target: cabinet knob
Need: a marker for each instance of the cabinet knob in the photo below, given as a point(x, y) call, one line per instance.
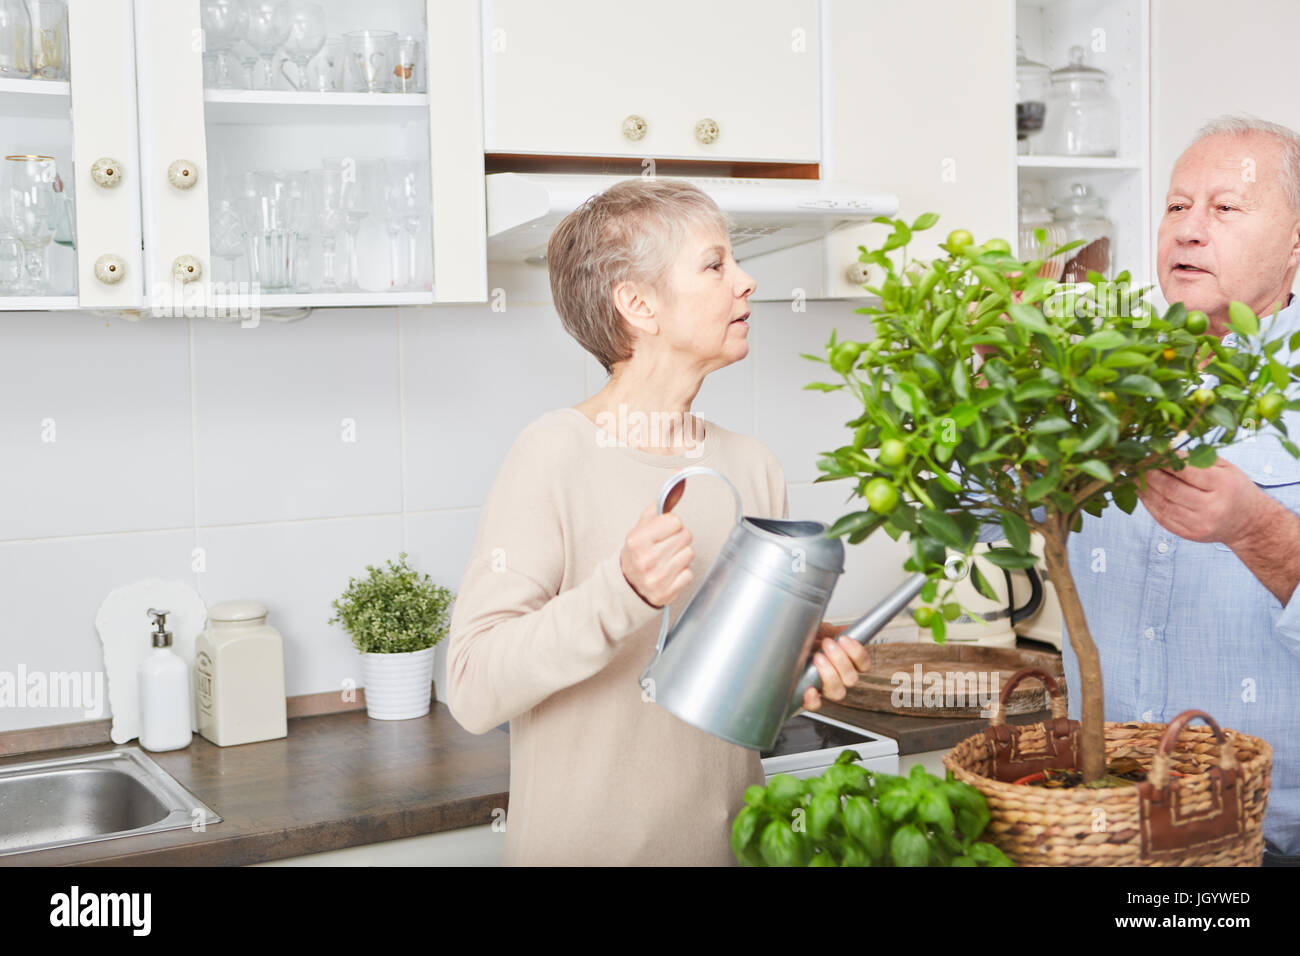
point(109, 269)
point(187, 269)
point(106, 172)
point(634, 128)
point(858, 273)
point(183, 174)
point(706, 131)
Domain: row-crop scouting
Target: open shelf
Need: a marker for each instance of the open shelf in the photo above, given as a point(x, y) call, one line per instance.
point(277, 107)
point(37, 303)
point(35, 98)
point(1077, 162)
point(324, 300)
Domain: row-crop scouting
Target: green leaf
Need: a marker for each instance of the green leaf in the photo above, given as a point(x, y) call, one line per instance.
point(1027, 317)
point(1051, 425)
point(822, 387)
point(925, 221)
point(1242, 319)
point(1124, 358)
point(981, 584)
point(1093, 438)
point(1105, 339)
point(943, 527)
point(1139, 385)
point(1007, 558)
point(908, 847)
point(744, 828)
point(1097, 469)
point(854, 522)
point(1202, 456)
point(1033, 389)
point(1040, 486)
point(1126, 497)
point(1017, 532)
point(1218, 415)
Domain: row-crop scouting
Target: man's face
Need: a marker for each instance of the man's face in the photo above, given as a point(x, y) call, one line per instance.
point(1228, 231)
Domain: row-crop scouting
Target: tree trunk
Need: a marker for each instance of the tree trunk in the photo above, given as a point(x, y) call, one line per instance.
point(1093, 741)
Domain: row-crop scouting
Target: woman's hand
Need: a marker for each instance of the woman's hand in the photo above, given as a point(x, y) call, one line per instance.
point(839, 662)
point(656, 557)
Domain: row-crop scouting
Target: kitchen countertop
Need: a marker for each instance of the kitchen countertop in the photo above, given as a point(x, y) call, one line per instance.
point(917, 735)
point(337, 780)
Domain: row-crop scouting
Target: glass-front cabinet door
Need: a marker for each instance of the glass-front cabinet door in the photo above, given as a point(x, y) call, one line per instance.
point(290, 151)
point(69, 179)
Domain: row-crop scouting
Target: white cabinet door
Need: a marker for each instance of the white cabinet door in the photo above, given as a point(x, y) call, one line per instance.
point(561, 77)
point(922, 104)
point(102, 49)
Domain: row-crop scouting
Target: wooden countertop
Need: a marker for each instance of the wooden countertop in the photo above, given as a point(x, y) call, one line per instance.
point(337, 780)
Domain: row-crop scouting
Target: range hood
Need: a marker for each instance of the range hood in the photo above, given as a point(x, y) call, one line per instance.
point(766, 214)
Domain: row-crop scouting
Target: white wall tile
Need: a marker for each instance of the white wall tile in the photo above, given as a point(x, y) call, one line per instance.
point(297, 569)
point(473, 379)
point(114, 395)
point(51, 593)
point(439, 544)
point(270, 408)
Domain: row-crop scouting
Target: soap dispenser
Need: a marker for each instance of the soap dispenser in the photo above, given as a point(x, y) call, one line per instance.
point(166, 713)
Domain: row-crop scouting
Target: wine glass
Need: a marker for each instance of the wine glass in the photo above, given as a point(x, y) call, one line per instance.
point(405, 205)
point(224, 23)
point(355, 201)
point(327, 198)
point(306, 37)
point(268, 27)
point(299, 220)
point(29, 205)
point(229, 236)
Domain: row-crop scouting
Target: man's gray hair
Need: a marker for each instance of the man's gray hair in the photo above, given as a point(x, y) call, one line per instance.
point(1288, 139)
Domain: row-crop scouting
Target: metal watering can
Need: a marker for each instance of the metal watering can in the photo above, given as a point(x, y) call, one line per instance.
point(736, 663)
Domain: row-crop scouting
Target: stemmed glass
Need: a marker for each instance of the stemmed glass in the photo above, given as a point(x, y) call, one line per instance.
point(355, 201)
point(229, 236)
point(29, 205)
point(224, 23)
point(269, 24)
point(405, 204)
point(299, 220)
point(327, 197)
point(306, 37)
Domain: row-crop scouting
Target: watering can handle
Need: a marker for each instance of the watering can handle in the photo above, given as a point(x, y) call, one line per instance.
point(672, 483)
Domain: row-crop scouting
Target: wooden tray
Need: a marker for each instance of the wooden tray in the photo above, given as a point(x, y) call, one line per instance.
point(891, 686)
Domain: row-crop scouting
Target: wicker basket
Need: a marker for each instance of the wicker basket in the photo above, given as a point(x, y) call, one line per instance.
point(1213, 816)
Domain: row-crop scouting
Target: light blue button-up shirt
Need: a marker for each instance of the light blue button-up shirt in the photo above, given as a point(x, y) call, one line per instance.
point(1185, 625)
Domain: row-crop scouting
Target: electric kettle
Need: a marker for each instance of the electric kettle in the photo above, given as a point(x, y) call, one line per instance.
point(736, 662)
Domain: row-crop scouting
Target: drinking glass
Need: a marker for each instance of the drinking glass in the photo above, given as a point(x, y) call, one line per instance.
point(268, 27)
point(224, 23)
point(405, 205)
point(327, 200)
point(229, 237)
point(271, 240)
point(49, 39)
point(408, 71)
point(29, 205)
point(299, 220)
point(325, 72)
point(15, 40)
point(371, 55)
point(306, 37)
point(65, 219)
point(11, 262)
point(356, 201)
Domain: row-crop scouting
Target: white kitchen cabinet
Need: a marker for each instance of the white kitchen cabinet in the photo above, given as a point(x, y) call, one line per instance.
point(921, 102)
point(144, 58)
point(679, 79)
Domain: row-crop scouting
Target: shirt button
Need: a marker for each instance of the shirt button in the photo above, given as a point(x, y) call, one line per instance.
point(1149, 633)
point(1162, 547)
point(1268, 469)
point(1148, 717)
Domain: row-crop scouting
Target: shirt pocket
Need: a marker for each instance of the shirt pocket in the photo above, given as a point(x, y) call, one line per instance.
point(1268, 465)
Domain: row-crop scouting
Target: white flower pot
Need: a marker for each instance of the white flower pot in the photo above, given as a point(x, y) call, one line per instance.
point(398, 686)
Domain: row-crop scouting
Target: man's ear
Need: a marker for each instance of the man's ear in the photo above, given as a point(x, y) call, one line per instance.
point(636, 310)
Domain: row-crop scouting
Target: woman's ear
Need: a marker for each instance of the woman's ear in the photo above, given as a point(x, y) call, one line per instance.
point(635, 308)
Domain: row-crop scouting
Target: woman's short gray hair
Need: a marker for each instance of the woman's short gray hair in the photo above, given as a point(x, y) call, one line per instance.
point(630, 232)
point(1243, 125)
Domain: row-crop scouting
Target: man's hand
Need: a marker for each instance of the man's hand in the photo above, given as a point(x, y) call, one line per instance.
point(1219, 503)
point(838, 663)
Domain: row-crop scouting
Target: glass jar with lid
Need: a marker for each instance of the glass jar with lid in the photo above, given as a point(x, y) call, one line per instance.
point(1082, 116)
point(1033, 80)
point(1033, 216)
point(1083, 216)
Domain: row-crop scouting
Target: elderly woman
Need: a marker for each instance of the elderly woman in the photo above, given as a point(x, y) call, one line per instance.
point(559, 610)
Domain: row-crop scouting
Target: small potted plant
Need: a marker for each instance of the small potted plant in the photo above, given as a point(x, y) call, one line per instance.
point(992, 394)
point(396, 617)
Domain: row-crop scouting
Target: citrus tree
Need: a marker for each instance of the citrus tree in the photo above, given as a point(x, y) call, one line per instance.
point(992, 394)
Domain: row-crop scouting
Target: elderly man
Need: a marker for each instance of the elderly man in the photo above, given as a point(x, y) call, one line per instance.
point(1192, 599)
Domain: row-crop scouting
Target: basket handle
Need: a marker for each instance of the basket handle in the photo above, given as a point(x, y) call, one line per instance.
point(1159, 775)
point(996, 718)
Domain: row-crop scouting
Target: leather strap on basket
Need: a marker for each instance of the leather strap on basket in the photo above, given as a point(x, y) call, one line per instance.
point(1168, 828)
point(1060, 735)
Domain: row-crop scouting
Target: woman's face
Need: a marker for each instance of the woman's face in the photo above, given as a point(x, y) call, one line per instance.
point(703, 312)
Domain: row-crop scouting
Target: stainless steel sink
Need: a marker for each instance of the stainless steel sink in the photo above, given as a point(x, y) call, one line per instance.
point(103, 796)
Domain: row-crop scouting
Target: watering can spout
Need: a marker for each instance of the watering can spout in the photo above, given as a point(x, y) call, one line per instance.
point(862, 631)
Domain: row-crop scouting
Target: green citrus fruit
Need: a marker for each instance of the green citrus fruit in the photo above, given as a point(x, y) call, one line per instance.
point(1197, 322)
point(997, 245)
point(1203, 396)
point(892, 453)
point(959, 239)
point(1270, 405)
point(923, 616)
point(882, 496)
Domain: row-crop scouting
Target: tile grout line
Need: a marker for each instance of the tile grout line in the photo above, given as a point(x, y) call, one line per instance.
point(194, 457)
point(401, 425)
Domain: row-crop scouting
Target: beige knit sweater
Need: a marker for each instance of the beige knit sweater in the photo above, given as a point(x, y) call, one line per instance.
point(547, 634)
